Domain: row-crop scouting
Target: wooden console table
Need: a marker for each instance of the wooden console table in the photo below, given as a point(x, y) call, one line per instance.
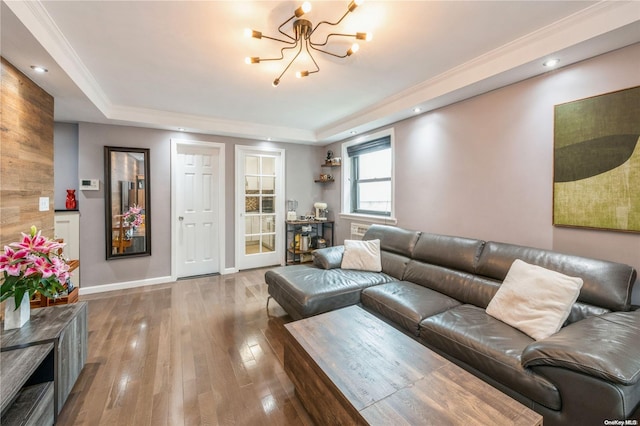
point(54, 344)
point(349, 367)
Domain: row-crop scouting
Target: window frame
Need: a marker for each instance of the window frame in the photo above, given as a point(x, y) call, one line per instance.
point(349, 181)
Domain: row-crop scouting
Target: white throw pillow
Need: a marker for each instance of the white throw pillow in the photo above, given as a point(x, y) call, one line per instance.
point(535, 300)
point(362, 255)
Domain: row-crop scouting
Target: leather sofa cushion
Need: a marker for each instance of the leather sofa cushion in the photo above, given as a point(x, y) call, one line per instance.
point(393, 239)
point(490, 346)
point(310, 291)
point(606, 347)
point(606, 284)
point(406, 303)
point(451, 252)
point(461, 286)
point(394, 264)
point(580, 311)
point(328, 258)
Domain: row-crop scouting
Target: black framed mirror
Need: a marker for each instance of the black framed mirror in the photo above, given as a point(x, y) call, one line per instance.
point(127, 202)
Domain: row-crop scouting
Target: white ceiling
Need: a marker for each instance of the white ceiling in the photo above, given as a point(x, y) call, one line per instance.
point(170, 64)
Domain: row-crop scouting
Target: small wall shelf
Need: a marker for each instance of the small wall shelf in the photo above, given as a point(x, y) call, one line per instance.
point(329, 165)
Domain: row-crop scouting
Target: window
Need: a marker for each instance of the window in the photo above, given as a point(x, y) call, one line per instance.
point(369, 167)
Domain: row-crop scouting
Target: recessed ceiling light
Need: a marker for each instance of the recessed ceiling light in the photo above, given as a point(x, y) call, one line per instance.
point(181, 129)
point(38, 68)
point(353, 132)
point(551, 62)
point(417, 109)
point(269, 139)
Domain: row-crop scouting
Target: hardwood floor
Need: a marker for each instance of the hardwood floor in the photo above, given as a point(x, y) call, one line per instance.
point(195, 352)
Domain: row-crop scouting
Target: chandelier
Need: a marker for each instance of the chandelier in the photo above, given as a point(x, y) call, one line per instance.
point(301, 40)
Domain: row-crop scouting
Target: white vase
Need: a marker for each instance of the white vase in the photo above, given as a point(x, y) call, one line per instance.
point(16, 318)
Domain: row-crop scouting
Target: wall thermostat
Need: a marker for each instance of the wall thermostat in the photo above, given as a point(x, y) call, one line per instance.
point(90, 184)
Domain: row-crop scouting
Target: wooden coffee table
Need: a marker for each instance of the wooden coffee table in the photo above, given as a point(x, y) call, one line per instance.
point(349, 367)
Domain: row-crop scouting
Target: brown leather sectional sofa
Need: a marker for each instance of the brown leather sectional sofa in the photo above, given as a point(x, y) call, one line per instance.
point(435, 288)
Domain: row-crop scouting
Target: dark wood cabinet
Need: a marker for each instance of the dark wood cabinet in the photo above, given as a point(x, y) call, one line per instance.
point(54, 344)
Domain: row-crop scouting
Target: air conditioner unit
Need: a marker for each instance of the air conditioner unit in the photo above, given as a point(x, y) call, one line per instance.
point(358, 230)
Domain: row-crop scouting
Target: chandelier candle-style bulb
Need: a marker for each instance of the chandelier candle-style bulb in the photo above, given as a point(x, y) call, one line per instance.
point(299, 38)
point(248, 32)
point(305, 8)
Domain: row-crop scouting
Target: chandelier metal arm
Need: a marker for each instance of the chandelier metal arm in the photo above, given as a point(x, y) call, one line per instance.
point(307, 45)
point(328, 53)
point(329, 23)
point(281, 41)
point(290, 62)
point(281, 54)
point(285, 34)
point(326, 40)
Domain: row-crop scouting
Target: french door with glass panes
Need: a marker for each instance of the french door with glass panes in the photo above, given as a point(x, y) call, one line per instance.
point(260, 207)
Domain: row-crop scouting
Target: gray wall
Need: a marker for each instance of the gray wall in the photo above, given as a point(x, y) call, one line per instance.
point(483, 168)
point(301, 168)
point(65, 162)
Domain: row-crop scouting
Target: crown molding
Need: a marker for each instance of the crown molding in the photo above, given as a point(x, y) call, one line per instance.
point(210, 125)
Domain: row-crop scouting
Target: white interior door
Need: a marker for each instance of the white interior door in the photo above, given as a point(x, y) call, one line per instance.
point(260, 207)
point(197, 193)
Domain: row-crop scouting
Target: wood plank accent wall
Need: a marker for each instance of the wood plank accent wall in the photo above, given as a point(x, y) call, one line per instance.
point(26, 155)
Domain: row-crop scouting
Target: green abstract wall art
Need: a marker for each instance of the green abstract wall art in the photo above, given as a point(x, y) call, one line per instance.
point(596, 182)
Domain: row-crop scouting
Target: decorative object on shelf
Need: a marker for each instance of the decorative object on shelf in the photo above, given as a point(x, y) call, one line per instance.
point(329, 157)
point(321, 211)
point(71, 202)
point(336, 161)
point(303, 30)
point(33, 264)
point(292, 206)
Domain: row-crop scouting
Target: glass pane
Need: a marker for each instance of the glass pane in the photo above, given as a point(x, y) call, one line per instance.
point(268, 223)
point(268, 205)
point(251, 165)
point(252, 224)
point(252, 245)
point(375, 196)
point(268, 243)
point(268, 166)
point(268, 185)
point(251, 204)
point(375, 165)
point(252, 184)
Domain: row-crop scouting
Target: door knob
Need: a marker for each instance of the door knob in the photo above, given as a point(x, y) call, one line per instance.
point(180, 218)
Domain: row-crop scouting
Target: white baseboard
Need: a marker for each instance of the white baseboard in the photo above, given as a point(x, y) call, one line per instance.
point(228, 271)
point(124, 285)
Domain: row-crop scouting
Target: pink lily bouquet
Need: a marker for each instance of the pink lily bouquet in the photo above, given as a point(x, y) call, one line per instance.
point(31, 265)
point(133, 216)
